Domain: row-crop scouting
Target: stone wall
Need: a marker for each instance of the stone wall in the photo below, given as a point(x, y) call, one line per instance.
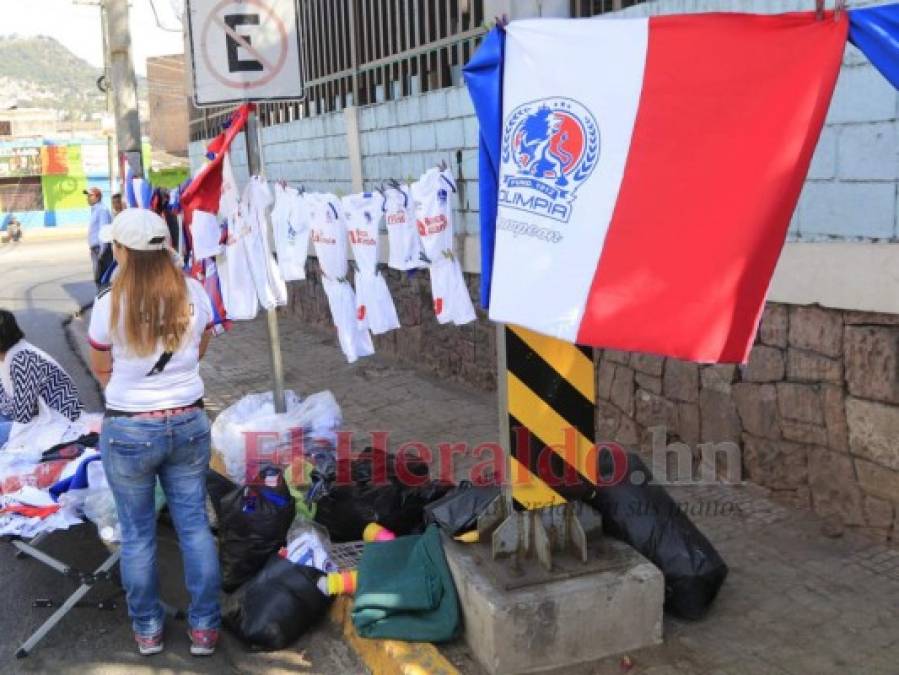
point(815, 411)
point(465, 354)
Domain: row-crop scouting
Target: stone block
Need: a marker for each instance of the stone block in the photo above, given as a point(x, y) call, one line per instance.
point(718, 377)
point(720, 421)
point(450, 134)
point(681, 381)
point(608, 421)
point(399, 139)
point(650, 364)
point(862, 95)
point(561, 622)
point(872, 362)
point(799, 402)
point(652, 411)
point(878, 512)
point(824, 161)
point(832, 402)
point(870, 319)
point(766, 364)
point(869, 152)
point(628, 433)
point(803, 432)
point(804, 366)
point(874, 431)
point(688, 423)
point(605, 375)
point(472, 132)
point(434, 105)
point(622, 394)
point(649, 383)
point(617, 356)
point(757, 406)
point(816, 329)
point(833, 210)
point(423, 137)
point(835, 492)
point(779, 465)
point(877, 480)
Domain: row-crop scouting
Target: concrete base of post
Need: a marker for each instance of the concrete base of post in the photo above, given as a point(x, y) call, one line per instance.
point(520, 619)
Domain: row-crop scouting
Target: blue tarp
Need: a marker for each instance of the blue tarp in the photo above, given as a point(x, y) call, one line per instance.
point(875, 31)
point(484, 77)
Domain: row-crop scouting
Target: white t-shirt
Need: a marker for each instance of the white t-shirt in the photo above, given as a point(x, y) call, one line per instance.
point(145, 383)
point(404, 244)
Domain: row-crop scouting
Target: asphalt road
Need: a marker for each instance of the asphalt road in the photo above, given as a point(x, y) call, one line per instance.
point(44, 283)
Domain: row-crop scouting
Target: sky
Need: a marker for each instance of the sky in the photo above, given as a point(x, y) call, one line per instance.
point(78, 28)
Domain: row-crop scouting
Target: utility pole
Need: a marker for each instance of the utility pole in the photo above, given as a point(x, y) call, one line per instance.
point(110, 144)
point(124, 85)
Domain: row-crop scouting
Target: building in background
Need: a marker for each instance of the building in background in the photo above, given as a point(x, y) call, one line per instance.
point(168, 104)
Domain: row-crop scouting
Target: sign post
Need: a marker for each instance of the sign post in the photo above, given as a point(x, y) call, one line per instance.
point(248, 50)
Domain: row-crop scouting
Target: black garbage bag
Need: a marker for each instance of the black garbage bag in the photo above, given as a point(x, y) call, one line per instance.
point(458, 510)
point(378, 491)
point(274, 608)
point(646, 517)
point(217, 487)
point(253, 524)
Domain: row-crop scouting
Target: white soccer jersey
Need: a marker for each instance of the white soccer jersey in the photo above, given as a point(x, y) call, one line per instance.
point(270, 287)
point(329, 237)
point(403, 242)
point(374, 306)
point(238, 288)
point(434, 219)
point(290, 226)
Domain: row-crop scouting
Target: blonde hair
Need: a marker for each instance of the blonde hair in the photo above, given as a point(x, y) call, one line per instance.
point(150, 303)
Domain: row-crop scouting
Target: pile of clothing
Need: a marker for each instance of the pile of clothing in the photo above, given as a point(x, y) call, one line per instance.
point(56, 489)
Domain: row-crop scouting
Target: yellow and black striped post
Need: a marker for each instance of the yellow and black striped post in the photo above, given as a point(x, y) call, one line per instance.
point(550, 409)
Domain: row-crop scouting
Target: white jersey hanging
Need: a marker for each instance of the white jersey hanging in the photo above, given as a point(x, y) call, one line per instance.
point(255, 202)
point(374, 306)
point(238, 289)
point(290, 227)
point(434, 219)
point(403, 242)
point(329, 237)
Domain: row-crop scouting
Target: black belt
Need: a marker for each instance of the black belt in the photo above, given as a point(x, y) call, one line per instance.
point(165, 412)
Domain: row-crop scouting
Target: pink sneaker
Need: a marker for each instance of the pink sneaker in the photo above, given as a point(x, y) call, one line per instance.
point(148, 645)
point(203, 641)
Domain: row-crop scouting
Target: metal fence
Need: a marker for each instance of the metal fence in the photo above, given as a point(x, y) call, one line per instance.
point(366, 51)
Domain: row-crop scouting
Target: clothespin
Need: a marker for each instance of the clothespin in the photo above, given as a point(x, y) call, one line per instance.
point(838, 7)
point(442, 166)
point(819, 9)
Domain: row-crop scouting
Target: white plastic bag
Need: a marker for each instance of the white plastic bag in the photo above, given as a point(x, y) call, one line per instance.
point(252, 425)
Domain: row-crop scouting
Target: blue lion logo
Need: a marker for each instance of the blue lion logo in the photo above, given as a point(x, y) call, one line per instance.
point(550, 147)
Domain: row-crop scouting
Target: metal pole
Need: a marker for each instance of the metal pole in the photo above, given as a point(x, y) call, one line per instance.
point(254, 167)
point(124, 84)
point(110, 145)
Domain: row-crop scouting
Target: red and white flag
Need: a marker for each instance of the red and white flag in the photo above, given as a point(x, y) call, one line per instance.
point(650, 168)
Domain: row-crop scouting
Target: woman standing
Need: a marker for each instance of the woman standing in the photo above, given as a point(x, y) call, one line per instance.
point(148, 333)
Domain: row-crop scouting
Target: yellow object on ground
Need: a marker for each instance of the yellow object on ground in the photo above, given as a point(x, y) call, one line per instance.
point(468, 537)
point(390, 657)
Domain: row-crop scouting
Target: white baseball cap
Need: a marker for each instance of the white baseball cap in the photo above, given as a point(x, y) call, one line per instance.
point(137, 229)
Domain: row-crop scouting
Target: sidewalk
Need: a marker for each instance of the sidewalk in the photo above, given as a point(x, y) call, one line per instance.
point(796, 601)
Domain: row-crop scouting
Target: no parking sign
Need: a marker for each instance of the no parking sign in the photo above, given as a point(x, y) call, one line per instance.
point(244, 50)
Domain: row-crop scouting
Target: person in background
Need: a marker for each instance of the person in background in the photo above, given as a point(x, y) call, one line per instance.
point(147, 333)
point(29, 378)
point(117, 205)
point(100, 217)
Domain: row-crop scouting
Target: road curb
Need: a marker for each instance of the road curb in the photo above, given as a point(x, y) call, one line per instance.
point(390, 657)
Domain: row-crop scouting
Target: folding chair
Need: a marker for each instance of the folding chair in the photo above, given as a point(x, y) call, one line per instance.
point(86, 581)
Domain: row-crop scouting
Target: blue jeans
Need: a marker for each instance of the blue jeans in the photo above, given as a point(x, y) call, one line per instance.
point(176, 449)
point(5, 429)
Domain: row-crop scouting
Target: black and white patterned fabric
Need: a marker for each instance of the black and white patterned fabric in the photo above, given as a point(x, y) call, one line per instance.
point(33, 377)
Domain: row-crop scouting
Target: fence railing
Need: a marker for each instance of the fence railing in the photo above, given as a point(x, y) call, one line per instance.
point(367, 51)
